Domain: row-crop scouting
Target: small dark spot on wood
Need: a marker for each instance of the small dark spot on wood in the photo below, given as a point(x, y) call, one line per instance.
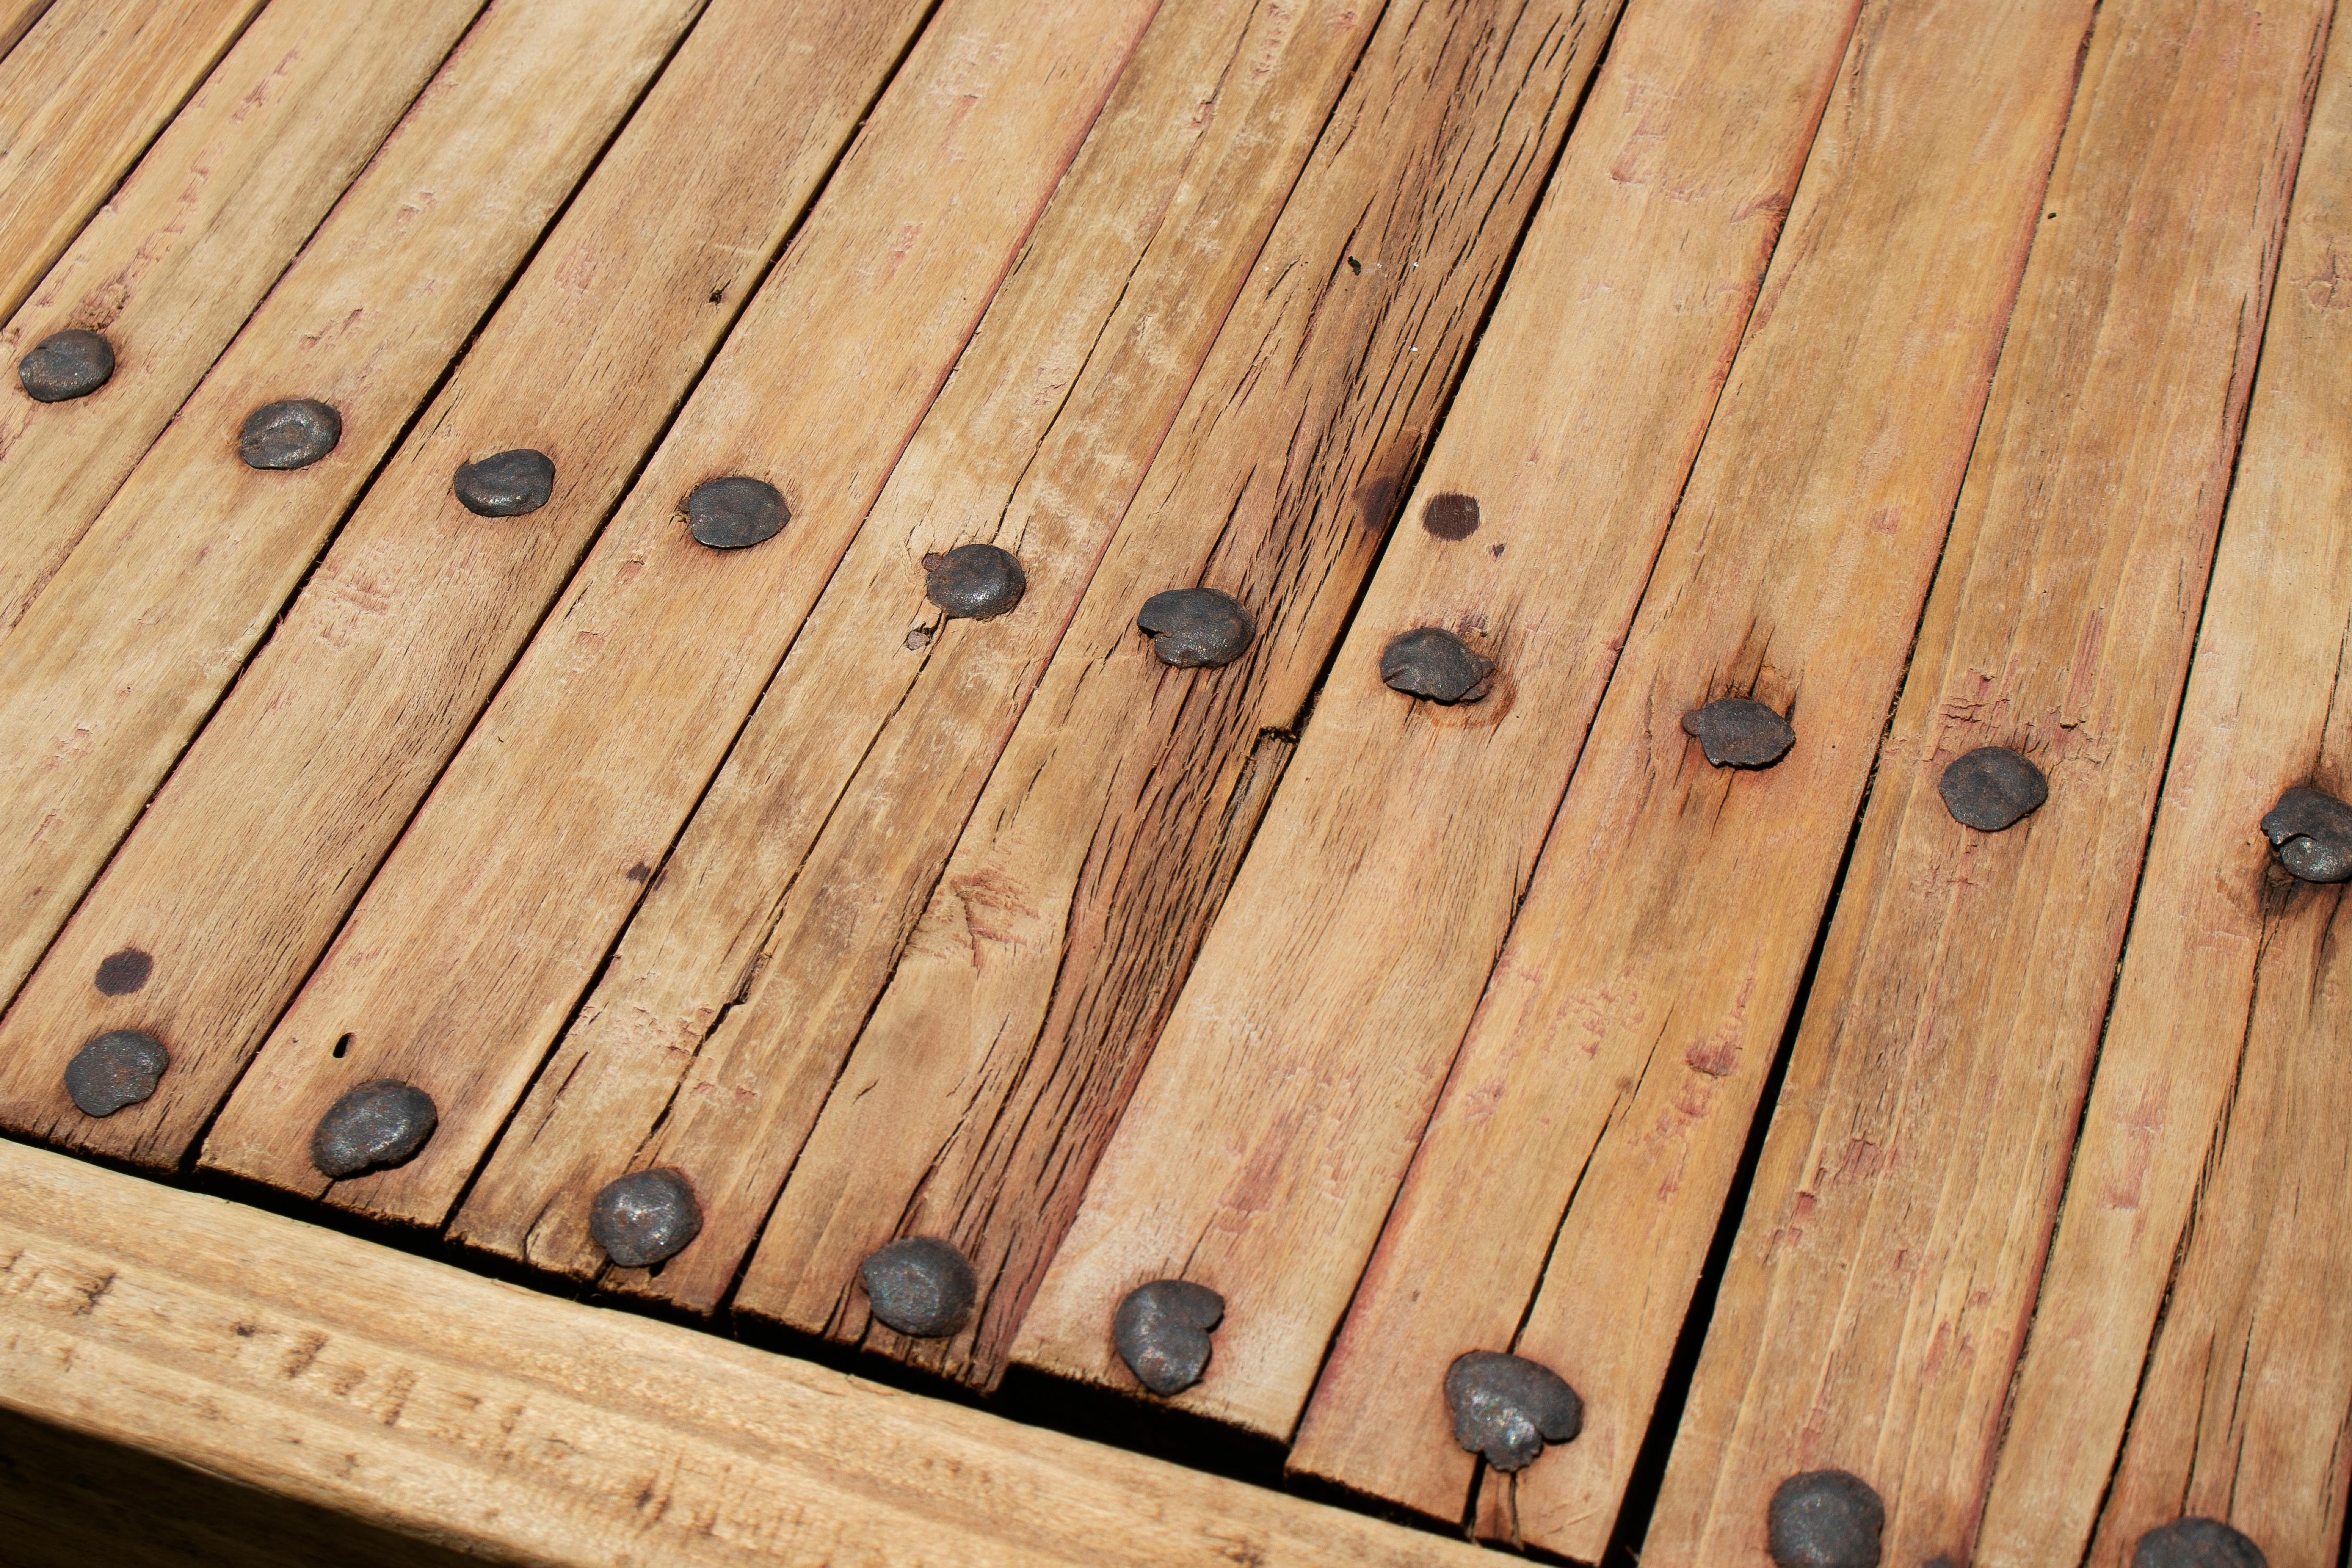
point(919, 639)
point(1355, 267)
point(1379, 499)
point(1496, 552)
point(342, 1048)
point(1451, 516)
point(719, 294)
point(121, 973)
point(639, 872)
point(246, 1330)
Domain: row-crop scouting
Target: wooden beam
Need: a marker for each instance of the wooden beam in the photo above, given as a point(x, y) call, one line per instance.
point(419, 1398)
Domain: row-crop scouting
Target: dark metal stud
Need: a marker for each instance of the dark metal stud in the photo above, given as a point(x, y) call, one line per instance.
point(1161, 1331)
point(735, 512)
point(1196, 628)
point(2197, 1543)
point(292, 433)
point(1507, 1407)
point(2311, 834)
point(645, 1217)
point(1735, 733)
point(974, 582)
point(1431, 662)
point(118, 1069)
point(121, 973)
point(1992, 788)
point(920, 1285)
point(1451, 516)
point(1825, 1518)
point(380, 1123)
point(512, 484)
point(66, 366)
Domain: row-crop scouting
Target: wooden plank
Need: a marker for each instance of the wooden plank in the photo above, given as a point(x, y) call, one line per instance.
point(17, 19)
point(1884, 1272)
point(242, 867)
point(824, 832)
point(508, 887)
point(998, 1060)
point(2189, 1350)
point(134, 641)
point(420, 1398)
point(175, 262)
point(80, 97)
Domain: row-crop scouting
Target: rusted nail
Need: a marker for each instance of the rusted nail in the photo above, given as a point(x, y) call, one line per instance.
point(1735, 733)
point(2311, 834)
point(1507, 1407)
point(1196, 628)
point(1991, 788)
point(118, 1069)
point(512, 484)
point(1451, 516)
point(1431, 662)
point(2197, 1543)
point(645, 1217)
point(1161, 1331)
point(292, 433)
point(66, 366)
point(121, 973)
point(920, 1285)
point(380, 1123)
point(735, 512)
point(974, 582)
point(1825, 1518)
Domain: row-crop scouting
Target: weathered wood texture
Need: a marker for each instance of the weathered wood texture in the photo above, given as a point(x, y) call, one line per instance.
point(17, 19)
point(1884, 1271)
point(237, 874)
point(1018, 1018)
point(2191, 1350)
point(81, 95)
point(177, 259)
point(134, 641)
point(819, 840)
point(510, 884)
point(425, 1399)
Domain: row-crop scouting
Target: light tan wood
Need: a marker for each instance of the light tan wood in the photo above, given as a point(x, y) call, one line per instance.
point(826, 831)
point(488, 922)
point(1885, 1270)
point(423, 1399)
point(2189, 1348)
point(17, 19)
point(242, 867)
point(173, 265)
point(998, 1061)
point(135, 638)
point(81, 96)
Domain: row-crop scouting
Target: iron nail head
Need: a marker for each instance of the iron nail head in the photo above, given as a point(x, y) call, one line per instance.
point(920, 1285)
point(1433, 663)
point(974, 582)
point(291, 433)
point(66, 366)
point(2310, 833)
point(645, 1217)
point(118, 1067)
point(1196, 628)
point(2197, 1543)
point(381, 1123)
point(1508, 1407)
point(1825, 1518)
point(735, 512)
point(509, 484)
point(1738, 732)
point(1161, 1331)
point(1992, 788)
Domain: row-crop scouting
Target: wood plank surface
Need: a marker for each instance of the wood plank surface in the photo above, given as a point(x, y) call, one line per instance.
point(134, 641)
point(17, 19)
point(824, 832)
point(1026, 997)
point(508, 888)
point(81, 96)
point(506, 1424)
point(175, 262)
point(238, 873)
point(2190, 1350)
point(1884, 1271)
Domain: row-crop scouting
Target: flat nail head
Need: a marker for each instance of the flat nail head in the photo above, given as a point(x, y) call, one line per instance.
point(2311, 834)
point(645, 1216)
point(1992, 788)
point(512, 484)
point(974, 582)
point(1433, 663)
point(1735, 733)
point(292, 433)
point(735, 512)
point(920, 1285)
point(2197, 1543)
point(1161, 1331)
point(1825, 1518)
point(66, 366)
point(1507, 1407)
point(1196, 628)
point(380, 1123)
point(118, 1067)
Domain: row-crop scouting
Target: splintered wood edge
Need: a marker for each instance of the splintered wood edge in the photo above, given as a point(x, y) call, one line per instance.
point(518, 1427)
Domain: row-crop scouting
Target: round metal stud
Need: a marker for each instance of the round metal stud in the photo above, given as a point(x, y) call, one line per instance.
point(2197, 1543)
point(292, 433)
point(735, 512)
point(1161, 1331)
point(1433, 663)
point(2311, 834)
point(380, 1123)
point(920, 1285)
point(645, 1217)
point(974, 582)
point(118, 1069)
point(1825, 1518)
point(1507, 1407)
point(512, 484)
point(66, 366)
point(1196, 628)
point(1992, 788)
point(1735, 733)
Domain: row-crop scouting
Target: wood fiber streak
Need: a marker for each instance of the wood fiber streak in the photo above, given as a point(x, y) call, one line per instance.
point(998, 1061)
point(488, 921)
point(240, 869)
point(1883, 1273)
point(17, 19)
